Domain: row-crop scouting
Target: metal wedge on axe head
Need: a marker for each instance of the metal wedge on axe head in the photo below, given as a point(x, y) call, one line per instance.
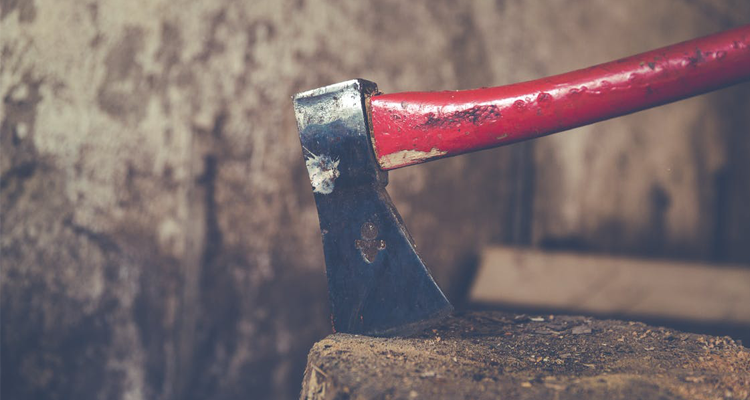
point(351, 135)
point(377, 282)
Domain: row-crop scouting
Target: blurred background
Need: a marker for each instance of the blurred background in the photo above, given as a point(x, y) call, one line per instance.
point(159, 236)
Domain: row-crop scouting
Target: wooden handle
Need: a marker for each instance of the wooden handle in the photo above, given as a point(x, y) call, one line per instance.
point(415, 127)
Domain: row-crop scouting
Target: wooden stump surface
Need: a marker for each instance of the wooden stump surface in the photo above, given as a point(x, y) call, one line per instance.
point(492, 355)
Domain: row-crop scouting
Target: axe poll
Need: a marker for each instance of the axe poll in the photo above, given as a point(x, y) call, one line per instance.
point(351, 135)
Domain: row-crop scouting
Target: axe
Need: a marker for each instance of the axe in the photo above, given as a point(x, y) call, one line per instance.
point(352, 135)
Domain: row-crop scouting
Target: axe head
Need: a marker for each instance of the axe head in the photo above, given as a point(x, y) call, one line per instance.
point(378, 284)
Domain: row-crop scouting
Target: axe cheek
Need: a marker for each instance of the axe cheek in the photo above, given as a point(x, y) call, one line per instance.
point(377, 283)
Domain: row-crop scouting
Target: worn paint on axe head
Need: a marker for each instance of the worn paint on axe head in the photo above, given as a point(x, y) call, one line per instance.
point(378, 284)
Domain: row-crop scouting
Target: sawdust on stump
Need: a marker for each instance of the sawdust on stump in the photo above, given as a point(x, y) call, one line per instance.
point(491, 355)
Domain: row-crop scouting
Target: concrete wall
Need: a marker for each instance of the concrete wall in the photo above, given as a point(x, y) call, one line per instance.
point(159, 236)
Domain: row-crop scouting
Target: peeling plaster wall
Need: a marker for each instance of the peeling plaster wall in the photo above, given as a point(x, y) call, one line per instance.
point(159, 238)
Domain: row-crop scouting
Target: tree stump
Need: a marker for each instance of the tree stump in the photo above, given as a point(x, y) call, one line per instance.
point(492, 355)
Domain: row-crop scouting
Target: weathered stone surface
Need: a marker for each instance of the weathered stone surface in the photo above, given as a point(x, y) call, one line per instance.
point(494, 355)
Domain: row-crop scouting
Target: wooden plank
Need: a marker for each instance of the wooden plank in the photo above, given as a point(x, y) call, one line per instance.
point(612, 285)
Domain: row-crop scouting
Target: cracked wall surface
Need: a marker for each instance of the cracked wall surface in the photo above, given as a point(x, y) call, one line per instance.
point(159, 237)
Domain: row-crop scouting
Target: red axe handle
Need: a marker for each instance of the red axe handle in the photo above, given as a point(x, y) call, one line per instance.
point(414, 127)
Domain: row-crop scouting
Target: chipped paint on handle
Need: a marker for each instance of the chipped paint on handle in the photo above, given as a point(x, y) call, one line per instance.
point(414, 127)
point(407, 157)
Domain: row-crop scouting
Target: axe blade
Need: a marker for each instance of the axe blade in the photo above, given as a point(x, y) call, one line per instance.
point(378, 284)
